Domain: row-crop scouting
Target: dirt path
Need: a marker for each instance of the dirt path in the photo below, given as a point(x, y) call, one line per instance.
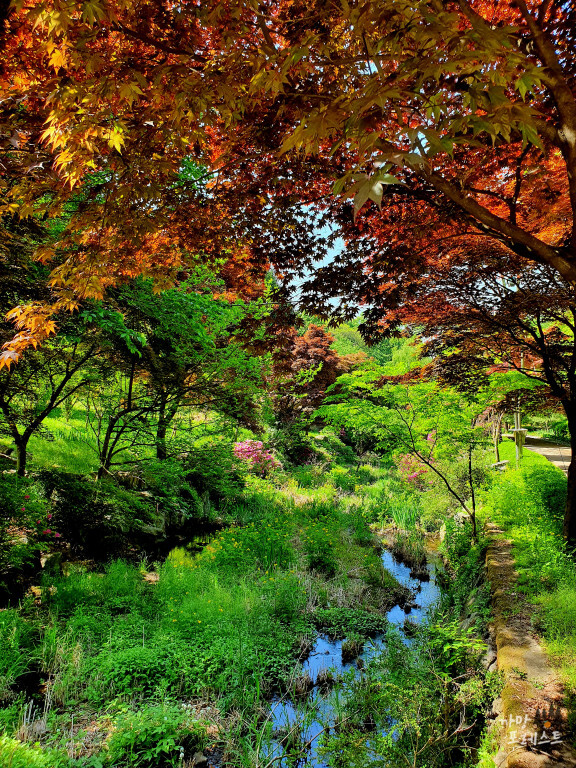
point(530, 714)
point(559, 455)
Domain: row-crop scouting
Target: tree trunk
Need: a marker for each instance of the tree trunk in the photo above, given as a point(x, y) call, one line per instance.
point(569, 528)
point(105, 449)
point(166, 414)
point(161, 452)
point(497, 427)
point(21, 455)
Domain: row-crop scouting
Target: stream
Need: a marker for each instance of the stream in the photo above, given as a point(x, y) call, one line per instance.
point(326, 655)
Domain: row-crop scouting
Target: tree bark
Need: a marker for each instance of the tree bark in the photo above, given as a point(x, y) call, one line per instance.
point(166, 414)
point(21, 455)
point(497, 427)
point(569, 527)
point(105, 449)
point(161, 429)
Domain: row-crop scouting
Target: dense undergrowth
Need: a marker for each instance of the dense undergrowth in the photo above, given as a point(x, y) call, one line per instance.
point(157, 614)
point(143, 662)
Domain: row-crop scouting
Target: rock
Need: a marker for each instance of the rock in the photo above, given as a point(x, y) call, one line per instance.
point(52, 563)
point(199, 760)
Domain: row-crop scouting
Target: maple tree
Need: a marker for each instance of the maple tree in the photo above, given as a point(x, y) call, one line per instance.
point(434, 425)
point(314, 366)
point(398, 93)
point(478, 306)
point(198, 129)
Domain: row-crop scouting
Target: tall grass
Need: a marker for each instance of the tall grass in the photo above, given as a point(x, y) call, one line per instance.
point(529, 503)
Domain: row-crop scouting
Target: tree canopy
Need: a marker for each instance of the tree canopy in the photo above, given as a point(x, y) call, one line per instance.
point(195, 121)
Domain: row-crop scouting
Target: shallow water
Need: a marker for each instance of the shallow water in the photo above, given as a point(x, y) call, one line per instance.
point(327, 654)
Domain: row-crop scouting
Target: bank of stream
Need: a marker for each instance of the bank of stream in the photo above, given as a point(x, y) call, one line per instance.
point(304, 722)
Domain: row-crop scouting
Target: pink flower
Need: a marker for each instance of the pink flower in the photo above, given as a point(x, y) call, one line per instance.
point(27, 496)
point(49, 517)
point(48, 530)
point(45, 531)
point(23, 509)
point(57, 535)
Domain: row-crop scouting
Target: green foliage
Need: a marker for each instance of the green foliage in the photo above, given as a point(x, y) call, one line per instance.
point(408, 547)
point(167, 481)
point(342, 622)
point(319, 550)
point(250, 548)
point(226, 625)
point(96, 516)
point(118, 590)
point(558, 616)
point(17, 650)
point(467, 594)
point(294, 443)
point(456, 649)
point(15, 754)
point(348, 341)
point(113, 323)
point(135, 671)
point(411, 699)
point(211, 468)
point(530, 503)
point(23, 518)
point(155, 736)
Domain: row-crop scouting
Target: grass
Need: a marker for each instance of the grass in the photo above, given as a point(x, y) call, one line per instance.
point(226, 625)
point(131, 654)
point(529, 503)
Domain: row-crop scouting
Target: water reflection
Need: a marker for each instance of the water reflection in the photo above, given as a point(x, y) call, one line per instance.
point(296, 724)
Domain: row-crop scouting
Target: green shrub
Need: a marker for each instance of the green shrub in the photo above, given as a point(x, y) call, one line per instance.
point(342, 478)
point(295, 444)
point(135, 671)
point(15, 754)
point(561, 430)
point(167, 481)
point(22, 509)
point(529, 502)
point(156, 736)
point(98, 517)
point(211, 469)
point(16, 649)
point(319, 550)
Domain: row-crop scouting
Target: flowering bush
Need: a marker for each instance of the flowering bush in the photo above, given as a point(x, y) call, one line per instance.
point(258, 457)
point(412, 471)
point(39, 520)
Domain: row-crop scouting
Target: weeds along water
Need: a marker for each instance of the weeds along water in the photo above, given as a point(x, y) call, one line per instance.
point(302, 726)
point(284, 641)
